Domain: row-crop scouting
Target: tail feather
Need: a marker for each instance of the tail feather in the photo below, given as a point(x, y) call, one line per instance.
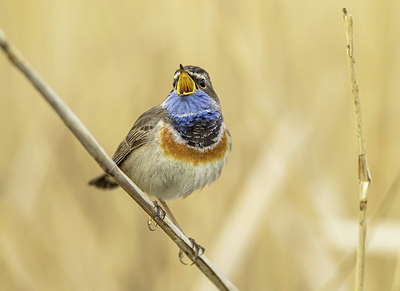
point(103, 181)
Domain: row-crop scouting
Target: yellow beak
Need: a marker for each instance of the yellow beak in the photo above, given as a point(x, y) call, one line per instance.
point(186, 85)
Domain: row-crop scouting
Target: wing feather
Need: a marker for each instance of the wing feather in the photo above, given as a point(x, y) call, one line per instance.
point(138, 135)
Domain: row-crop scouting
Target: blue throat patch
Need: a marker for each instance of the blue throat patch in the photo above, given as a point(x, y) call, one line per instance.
point(190, 104)
point(196, 117)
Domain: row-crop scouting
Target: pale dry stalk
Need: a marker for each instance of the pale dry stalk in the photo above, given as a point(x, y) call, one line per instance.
point(364, 176)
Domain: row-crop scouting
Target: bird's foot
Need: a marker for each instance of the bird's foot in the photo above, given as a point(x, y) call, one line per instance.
point(160, 216)
point(197, 248)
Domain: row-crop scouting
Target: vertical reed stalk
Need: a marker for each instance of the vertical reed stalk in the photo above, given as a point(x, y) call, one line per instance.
point(364, 177)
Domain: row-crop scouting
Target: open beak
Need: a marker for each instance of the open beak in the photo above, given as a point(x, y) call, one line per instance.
point(186, 85)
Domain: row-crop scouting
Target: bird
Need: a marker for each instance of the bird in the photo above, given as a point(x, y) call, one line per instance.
point(176, 147)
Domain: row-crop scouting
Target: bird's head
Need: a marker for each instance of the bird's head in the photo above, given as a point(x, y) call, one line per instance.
point(189, 78)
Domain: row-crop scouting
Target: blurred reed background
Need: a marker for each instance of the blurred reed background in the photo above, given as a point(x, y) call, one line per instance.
point(283, 215)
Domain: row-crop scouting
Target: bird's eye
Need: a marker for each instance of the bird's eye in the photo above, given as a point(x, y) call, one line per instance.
point(202, 83)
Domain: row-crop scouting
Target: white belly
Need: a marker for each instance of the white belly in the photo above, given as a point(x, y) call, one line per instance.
point(167, 178)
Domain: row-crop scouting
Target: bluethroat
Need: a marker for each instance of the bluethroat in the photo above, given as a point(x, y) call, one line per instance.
point(179, 146)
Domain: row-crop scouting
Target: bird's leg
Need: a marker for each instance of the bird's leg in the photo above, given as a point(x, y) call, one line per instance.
point(164, 204)
point(197, 248)
point(160, 216)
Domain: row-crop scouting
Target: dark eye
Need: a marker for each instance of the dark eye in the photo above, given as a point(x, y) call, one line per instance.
point(202, 83)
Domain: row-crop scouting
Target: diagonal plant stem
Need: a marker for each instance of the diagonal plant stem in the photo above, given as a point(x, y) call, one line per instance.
point(364, 177)
point(106, 163)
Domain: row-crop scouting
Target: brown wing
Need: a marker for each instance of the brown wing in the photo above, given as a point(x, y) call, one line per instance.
point(136, 137)
point(138, 134)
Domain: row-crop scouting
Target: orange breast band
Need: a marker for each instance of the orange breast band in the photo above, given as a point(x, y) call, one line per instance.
point(184, 153)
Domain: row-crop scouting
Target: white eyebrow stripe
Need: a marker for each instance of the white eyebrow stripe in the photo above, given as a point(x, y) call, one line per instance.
point(199, 76)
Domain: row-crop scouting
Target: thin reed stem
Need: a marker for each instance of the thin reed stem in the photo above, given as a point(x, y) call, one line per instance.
point(364, 177)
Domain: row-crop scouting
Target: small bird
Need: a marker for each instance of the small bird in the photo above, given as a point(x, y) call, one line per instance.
point(179, 146)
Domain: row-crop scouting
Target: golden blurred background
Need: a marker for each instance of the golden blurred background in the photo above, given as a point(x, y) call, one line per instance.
point(283, 215)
